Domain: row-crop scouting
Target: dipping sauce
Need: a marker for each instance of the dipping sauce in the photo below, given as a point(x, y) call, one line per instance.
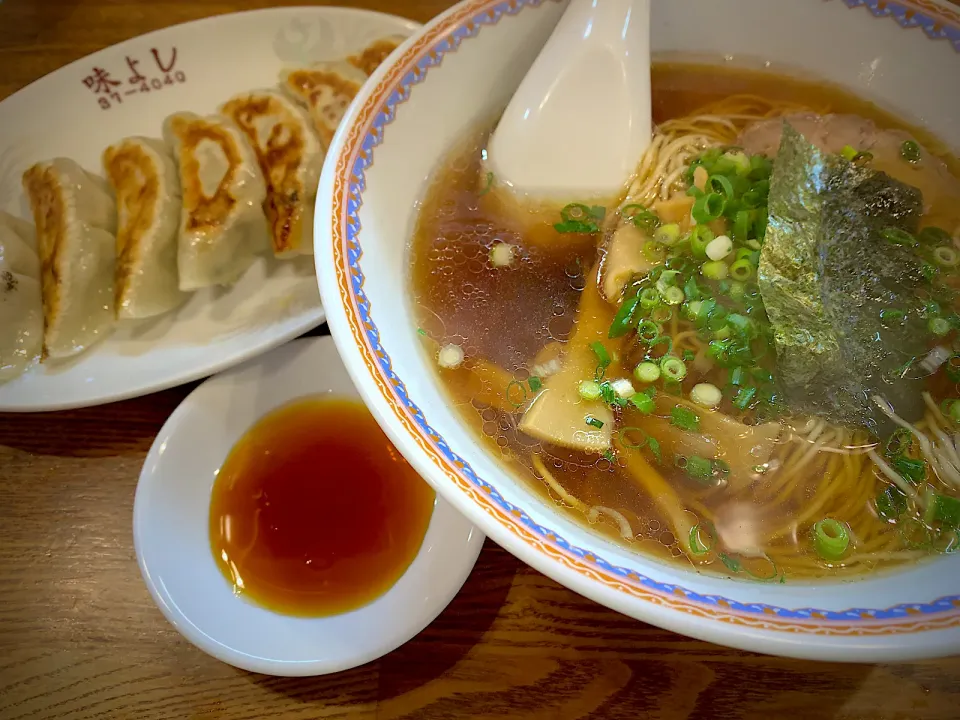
point(315, 512)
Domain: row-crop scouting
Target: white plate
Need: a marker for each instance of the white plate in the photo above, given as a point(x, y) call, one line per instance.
point(76, 112)
point(170, 532)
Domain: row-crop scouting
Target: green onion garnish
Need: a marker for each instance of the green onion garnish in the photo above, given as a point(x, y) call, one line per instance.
point(661, 314)
point(708, 207)
point(951, 409)
point(603, 357)
point(699, 469)
point(647, 372)
point(933, 235)
point(741, 270)
point(667, 234)
point(640, 216)
point(714, 270)
point(946, 256)
point(523, 390)
point(685, 419)
point(938, 326)
point(891, 503)
point(673, 296)
point(946, 510)
point(702, 539)
point(741, 226)
point(673, 368)
point(690, 289)
point(643, 402)
point(649, 298)
point(579, 218)
point(654, 448)
point(848, 153)
point(689, 355)
point(421, 331)
point(489, 185)
point(721, 186)
point(623, 320)
point(910, 151)
point(744, 397)
point(700, 237)
point(648, 331)
point(593, 422)
point(952, 367)
point(535, 383)
point(831, 538)
point(589, 390)
point(910, 469)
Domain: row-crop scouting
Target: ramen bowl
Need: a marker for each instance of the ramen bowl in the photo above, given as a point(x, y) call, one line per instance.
point(457, 74)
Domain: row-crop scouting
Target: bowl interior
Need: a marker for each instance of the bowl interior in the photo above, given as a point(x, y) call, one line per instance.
point(457, 75)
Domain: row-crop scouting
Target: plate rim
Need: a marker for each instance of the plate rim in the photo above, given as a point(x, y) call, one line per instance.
point(310, 320)
point(288, 668)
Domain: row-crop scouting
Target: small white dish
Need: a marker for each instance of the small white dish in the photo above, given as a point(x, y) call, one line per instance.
point(195, 66)
point(170, 532)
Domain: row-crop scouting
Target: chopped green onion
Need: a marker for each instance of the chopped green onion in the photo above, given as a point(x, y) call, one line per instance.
point(698, 544)
point(739, 161)
point(648, 331)
point(647, 372)
point(737, 376)
point(946, 256)
point(609, 456)
point(623, 320)
point(945, 509)
point(700, 237)
point(951, 409)
point(706, 395)
point(667, 234)
point(741, 270)
point(848, 153)
point(714, 270)
point(689, 355)
point(673, 368)
point(640, 216)
point(644, 403)
point(721, 186)
point(603, 357)
point(673, 296)
point(653, 251)
point(699, 468)
point(708, 207)
point(535, 383)
point(508, 392)
point(952, 367)
point(631, 444)
point(501, 254)
point(891, 503)
point(719, 247)
point(489, 184)
point(421, 331)
point(661, 314)
point(690, 289)
point(897, 236)
point(742, 325)
point(910, 151)
point(938, 326)
point(685, 419)
point(741, 226)
point(744, 397)
point(593, 422)
point(910, 469)
point(831, 538)
point(649, 298)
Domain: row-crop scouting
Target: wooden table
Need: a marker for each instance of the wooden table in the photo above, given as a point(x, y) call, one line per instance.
point(80, 637)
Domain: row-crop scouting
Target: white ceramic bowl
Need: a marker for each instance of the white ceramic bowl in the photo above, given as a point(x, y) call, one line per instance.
point(460, 71)
point(170, 532)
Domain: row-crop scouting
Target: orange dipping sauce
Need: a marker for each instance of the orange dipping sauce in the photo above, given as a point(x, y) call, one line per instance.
point(315, 512)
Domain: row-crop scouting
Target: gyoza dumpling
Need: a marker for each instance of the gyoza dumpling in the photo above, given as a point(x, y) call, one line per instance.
point(326, 89)
point(372, 55)
point(21, 306)
point(147, 187)
point(222, 226)
point(291, 158)
point(75, 217)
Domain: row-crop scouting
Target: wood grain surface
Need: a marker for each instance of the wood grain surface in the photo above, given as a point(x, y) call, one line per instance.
point(80, 637)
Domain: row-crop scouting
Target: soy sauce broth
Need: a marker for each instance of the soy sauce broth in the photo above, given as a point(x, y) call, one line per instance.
point(314, 512)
